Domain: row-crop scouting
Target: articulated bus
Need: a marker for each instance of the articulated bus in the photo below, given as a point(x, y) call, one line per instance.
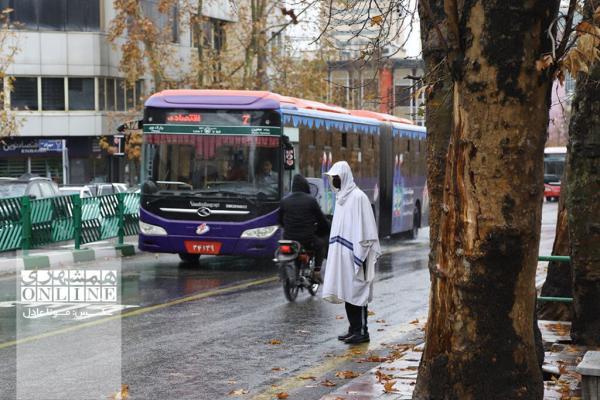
point(554, 167)
point(217, 162)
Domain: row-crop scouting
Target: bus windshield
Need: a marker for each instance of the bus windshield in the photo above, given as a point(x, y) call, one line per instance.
point(215, 165)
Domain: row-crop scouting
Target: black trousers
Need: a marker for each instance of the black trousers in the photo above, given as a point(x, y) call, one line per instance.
point(357, 316)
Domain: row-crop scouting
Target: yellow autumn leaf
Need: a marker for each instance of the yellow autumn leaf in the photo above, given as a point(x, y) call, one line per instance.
point(388, 387)
point(346, 374)
point(377, 20)
point(274, 341)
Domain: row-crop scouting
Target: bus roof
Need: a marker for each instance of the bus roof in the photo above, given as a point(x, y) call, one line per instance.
point(555, 150)
point(255, 100)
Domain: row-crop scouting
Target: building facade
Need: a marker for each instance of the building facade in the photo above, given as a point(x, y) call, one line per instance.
point(389, 87)
point(67, 90)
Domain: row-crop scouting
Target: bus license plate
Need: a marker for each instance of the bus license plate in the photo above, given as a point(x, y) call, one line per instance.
point(195, 247)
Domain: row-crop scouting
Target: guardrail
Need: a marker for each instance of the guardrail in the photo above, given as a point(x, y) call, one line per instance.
point(561, 259)
point(27, 223)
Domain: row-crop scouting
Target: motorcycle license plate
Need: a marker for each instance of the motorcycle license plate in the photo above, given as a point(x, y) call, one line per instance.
point(198, 247)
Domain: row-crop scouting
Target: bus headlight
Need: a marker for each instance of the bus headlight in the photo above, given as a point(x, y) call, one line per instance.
point(149, 229)
point(263, 232)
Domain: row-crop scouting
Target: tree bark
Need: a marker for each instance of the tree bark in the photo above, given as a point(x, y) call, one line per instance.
point(479, 340)
point(583, 167)
point(559, 278)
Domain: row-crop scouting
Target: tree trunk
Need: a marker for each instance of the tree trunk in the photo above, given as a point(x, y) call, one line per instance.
point(583, 167)
point(199, 33)
point(479, 340)
point(559, 278)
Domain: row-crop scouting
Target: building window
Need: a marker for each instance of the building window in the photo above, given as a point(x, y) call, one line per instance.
point(52, 15)
point(403, 96)
point(168, 22)
point(110, 95)
point(81, 94)
point(139, 93)
point(75, 15)
point(53, 94)
point(101, 94)
point(120, 94)
point(24, 95)
point(129, 96)
point(83, 15)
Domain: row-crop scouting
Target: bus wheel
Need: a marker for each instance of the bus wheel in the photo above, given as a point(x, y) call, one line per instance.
point(414, 232)
point(190, 258)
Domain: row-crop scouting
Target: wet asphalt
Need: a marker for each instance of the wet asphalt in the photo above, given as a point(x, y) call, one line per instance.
point(220, 330)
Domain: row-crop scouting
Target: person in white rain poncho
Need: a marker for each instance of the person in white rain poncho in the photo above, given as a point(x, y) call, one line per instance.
point(353, 251)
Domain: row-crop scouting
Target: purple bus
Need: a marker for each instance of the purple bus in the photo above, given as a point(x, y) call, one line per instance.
point(216, 163)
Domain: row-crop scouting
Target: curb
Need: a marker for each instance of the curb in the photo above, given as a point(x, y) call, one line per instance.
point(63, 258)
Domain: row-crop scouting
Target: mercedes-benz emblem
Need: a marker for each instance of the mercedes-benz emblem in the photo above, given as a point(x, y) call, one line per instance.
point(203, 211)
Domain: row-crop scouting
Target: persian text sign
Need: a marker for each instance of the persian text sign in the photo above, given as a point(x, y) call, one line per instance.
point(69, 286)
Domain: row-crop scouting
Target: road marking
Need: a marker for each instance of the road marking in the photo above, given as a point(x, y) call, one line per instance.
point(139, 311)
point(295, 382)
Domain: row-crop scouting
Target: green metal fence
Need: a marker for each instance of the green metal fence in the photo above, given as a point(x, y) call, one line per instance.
point(27, 223)
point(560, 259)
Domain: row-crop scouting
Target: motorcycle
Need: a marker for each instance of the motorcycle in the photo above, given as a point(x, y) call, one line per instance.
point(296, 269)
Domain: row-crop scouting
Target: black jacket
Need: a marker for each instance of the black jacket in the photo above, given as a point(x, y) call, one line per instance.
point(300, 214)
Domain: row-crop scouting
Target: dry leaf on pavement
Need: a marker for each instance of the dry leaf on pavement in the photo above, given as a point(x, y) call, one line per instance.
point(388, 387)
point(274, 341)
point(346, 374)
point(277, 369)
point(339, 317)
point(307, 377)
point(414, 321)
point(122, 394)
point(282, 395)
point(238, 392)
point(328, 383)
point(371, 313)
point(380, 321)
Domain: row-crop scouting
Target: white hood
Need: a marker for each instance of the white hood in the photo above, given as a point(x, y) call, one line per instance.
point(342, 169)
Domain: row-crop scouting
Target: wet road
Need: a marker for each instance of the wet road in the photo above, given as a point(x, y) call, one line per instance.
point(203, 333)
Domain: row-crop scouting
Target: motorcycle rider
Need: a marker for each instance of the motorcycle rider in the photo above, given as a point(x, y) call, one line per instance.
point(303, 221)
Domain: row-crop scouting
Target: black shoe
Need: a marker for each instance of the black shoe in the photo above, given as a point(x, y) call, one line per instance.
point(345, 336)
point(357, 338)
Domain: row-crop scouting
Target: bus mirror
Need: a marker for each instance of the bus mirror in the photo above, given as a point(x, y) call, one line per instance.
point(289, 158)
point(149, 187)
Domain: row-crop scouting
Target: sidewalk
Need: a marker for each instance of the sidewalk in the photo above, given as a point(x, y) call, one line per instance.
point(63, 254)
point(395, 378)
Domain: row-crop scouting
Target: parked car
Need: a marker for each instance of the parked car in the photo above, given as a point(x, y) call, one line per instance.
point(30, 185)
point(82, 190)
point(93, 189)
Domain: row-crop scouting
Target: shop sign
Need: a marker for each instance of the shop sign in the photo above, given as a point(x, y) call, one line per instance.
point(31, 146)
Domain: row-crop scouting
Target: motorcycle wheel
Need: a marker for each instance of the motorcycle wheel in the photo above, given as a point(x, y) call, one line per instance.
point(312, 289)
point(290, 289)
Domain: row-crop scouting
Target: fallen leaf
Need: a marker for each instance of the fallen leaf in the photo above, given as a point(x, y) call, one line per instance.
point(346, 374)
point(380, 321)
point(380, 330)
point(377, 20)
point(328, 383)
point(388, 387)
point(414, 321)
point(122, 394)
point(238, 392)
point(274, 341)
point(339, 317)
point(371, 313)
point(377, 359)
point(282, 395)
point(382, 377)
point(307, 377)
point(277, 369)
